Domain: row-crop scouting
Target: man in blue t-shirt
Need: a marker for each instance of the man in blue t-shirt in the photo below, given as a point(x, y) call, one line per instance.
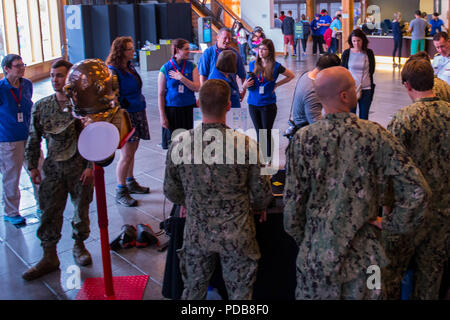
point(324, 21)
point(436, 24)
point(15, 117)
point(208, 60)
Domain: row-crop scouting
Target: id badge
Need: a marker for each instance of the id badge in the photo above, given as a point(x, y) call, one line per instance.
point(261, 89)
point(20, 117)
point(181, 88)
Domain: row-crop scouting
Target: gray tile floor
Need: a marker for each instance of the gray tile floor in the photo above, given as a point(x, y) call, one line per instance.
point(20, 248)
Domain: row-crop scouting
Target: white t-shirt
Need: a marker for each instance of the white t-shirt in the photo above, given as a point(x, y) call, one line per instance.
point(358, 65)
point(441, 68)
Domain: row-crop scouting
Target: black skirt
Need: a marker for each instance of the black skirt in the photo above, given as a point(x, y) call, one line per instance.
point(179, 118)
point(140, 124)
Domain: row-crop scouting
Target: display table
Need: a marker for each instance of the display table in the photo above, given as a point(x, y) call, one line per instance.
point(384, 46)
point(276, 275)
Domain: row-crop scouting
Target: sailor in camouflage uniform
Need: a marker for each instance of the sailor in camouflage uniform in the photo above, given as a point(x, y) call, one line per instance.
point(65, 172)
point(423, 128)
point(440, 88)
point(219, 199)
point(332, 194)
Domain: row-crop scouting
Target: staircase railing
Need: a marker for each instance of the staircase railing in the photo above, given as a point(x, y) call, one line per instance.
point(200, 8)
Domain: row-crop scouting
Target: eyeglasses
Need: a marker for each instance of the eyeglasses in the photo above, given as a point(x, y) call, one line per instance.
point(18, 66)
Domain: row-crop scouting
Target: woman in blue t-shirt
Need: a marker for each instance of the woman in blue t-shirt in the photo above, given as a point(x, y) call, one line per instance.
point(132, 100)
point(177, 81)
point(397, 32)
point(262, 99)
point(225, 68)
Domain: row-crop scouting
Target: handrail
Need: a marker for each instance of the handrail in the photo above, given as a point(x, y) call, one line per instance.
point(234, 15)
point(200, 8)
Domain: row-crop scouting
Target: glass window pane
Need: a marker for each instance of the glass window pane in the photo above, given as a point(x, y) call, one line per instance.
point(54, 28)
point(35, 29)
point(2, 36)
point(24, 31)
point(45, 27)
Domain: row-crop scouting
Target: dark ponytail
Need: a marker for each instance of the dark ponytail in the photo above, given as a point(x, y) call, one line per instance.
point(178, 44)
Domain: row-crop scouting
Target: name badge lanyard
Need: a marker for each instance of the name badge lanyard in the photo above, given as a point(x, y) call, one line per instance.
point(182, 70)
point(180, 86)
point(19, 114)
point(261, 83)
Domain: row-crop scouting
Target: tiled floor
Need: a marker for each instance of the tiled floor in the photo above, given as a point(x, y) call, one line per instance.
point(20, 248)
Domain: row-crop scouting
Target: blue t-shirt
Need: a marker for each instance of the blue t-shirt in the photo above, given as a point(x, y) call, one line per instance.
point(173, 97)
point(324, 19)
point(130, 90)
point(314, 28)
point(255, 98)
point(436, 26)
point(207, 63)
point(235, 97)
point(11, 129)
point(336, 23)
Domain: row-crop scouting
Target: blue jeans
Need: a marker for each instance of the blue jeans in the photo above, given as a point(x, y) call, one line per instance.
point(364, 104)
point(243, 52)
point(333, 45)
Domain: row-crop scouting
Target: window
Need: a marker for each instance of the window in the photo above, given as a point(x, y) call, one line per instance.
point(2, 36)
point(30, 28)
point(334, 7)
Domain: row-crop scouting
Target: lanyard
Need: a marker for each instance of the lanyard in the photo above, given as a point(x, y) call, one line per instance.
point(262, 78)
point(184, 65)
point(15, 97)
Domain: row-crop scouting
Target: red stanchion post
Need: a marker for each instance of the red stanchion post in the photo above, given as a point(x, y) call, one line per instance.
point(100, 193)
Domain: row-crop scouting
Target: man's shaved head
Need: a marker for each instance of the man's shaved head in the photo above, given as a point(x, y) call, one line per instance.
point(335, 88)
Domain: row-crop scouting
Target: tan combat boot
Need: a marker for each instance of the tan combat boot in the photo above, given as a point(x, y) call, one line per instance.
point(81, 255)
point(47, 264)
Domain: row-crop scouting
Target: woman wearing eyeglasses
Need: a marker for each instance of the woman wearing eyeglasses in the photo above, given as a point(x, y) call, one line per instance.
point(131, 99)
point(262, 99)
point(15, 117)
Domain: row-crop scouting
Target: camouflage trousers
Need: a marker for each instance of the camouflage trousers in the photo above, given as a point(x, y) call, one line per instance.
point(60, 179)
point(311, 288)
point(428, 256)
point(197, 267)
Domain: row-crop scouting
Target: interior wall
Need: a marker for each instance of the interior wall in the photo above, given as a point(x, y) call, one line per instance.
point(260, 15)
point(388, 7)
point(427, 6)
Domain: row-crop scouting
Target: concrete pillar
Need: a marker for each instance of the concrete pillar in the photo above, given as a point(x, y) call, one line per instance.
point(347, 21)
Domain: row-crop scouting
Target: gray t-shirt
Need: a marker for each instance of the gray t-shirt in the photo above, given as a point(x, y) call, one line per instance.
point(306, 104)
point(418, 26)
point(358, 65)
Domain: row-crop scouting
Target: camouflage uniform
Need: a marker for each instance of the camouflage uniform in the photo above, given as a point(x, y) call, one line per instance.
point(61, 171)
point(441, 89)
point(423, 129)
point(218, 199)
point(333, 172)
